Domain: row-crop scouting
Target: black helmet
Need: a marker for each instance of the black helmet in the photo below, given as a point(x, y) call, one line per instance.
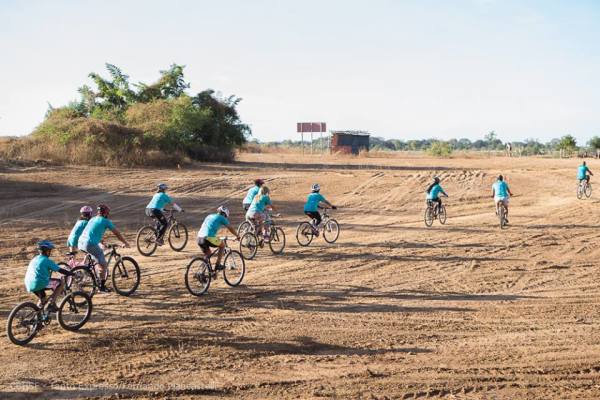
point(436, 179)
point(500, 178)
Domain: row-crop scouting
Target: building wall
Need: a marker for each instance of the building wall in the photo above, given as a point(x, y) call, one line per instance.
point(350, 144)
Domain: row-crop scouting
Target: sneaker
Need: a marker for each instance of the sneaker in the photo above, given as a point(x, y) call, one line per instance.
point(160, 242)
point(104, 289)
point(52, 308)
point(219, 267)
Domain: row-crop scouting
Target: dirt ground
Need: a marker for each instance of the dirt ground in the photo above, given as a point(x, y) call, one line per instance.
point(392, 310)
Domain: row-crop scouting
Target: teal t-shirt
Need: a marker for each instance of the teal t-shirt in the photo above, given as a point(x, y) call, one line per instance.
point(434, 193)
point(259, 204)
point(312, 202)
point(94, 231)
point(251, 194)
point(159, 201)
point(38, 273)
point(211, 225)
point(76, 232)
point(582, 171)
point(500, 189)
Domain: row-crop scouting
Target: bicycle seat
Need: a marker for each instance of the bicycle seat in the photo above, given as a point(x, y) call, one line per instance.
point(71, 253)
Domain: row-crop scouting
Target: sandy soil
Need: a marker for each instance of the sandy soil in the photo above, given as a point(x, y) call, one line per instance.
point(392, 310)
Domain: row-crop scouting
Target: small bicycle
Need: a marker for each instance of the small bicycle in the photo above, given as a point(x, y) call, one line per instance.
point(176, 233)
point(125, 273)
point(306, 231)
point(200, 270)
point(584, 189)
point(28, 318)
point(251, 240)
point(434, 211)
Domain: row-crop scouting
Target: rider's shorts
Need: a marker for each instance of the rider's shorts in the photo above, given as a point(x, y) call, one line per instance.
point(255, 215)
point(207, 242)
point(93, 250)
point(504, 200)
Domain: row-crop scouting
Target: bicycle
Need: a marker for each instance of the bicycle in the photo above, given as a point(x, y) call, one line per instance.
point(502, 212)
point(126, 271)
point(584, 189)
point(251, 240)
point(28, 318)
point(434, 211)
point(176, 233)
point(200, 271)
point(306, 231)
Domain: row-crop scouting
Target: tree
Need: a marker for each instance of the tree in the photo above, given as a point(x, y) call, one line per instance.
point(594, 143)
point(567, 143)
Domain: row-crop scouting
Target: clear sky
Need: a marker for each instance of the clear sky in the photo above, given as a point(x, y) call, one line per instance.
point(400, 69)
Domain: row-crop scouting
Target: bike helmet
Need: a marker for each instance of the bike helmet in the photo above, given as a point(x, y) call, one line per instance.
point(223, 210)
point(103, 210)
point(500, 178)
point(259, 181)
point(316, 187)
point(86, 210)
point(162, 187)
point(436, 179)
point(45, 245)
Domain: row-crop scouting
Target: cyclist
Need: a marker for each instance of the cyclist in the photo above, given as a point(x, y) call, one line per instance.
point(252, 192)
point(501, 193)
point(207, 235)
point(156, 207)
point(85, 215)
point(433, 194)
point(256, 212)
point(311, 207)
point(39, 275)
point(91, 237)
point(584, 173)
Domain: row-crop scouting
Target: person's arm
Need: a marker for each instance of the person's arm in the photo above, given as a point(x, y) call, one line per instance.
point(233, 231)
point(509, 192)
point(493, 192)
point(56, 268)
point(590, 171)
point(444, 193)
point(119, 236)
point(176, 207)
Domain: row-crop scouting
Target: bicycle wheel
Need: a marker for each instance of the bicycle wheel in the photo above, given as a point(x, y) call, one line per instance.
point(146, 240)
point(588, 190)
point(442, 214)
point(23, 323)
point(244, 227)
point(248, 245)
point(428, 217)
point(178, 236)
point(82, 281)
point(198, 275)
point(74, 311)
point(502, 217)
point(331, 231)
point(277, 240)
point(126, 276)
point(234, 268)
point(304, 234)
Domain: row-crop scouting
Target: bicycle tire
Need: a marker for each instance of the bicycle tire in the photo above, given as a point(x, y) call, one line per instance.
point(249, 245)
point(146, 240)
point(502, 217)
point(428, 216)
point(588, 190)
point(122, 271)
point(277, 240)
point(244, 227)
point(331, 234)
point(75, 302)
point(31, 316)
point(579, 192)
point(442, 215)
point(84, 280)
point(304, 231)
point(234, 261)
point(202, 275)
point(179, 230)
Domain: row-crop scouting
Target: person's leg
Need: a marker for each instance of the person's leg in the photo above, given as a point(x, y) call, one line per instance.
point(101, 264)
point(57, 286)
point(220, 253)
point(161, 222)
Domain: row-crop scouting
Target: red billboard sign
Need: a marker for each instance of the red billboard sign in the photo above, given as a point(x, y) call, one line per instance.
point(302, 127)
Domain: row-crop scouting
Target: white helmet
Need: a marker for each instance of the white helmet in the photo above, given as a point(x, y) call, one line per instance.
point(86, 210)
point(316, 187)
point(223, 210)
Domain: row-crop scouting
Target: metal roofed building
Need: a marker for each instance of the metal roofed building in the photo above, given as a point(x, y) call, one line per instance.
point(349, 142)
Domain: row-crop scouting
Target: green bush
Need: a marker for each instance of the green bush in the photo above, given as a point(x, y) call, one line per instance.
point(440, 149)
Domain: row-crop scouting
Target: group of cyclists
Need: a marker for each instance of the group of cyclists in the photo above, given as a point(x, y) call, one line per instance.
point(88, 232)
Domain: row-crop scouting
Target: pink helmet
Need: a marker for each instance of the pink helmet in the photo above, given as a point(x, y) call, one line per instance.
point(86, 210)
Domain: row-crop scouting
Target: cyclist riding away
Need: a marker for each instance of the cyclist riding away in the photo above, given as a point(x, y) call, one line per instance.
point(207, 235)
point(92, 235)
point(39, 275)
point(86, 214)
point(433, 193)
point(311, 207)
point(501, 193)
point(256, 212)
point(252, 192)
point(156, 209)
point(584, 173)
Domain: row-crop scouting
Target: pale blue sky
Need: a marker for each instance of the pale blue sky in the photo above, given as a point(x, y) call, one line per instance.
point(400, 69)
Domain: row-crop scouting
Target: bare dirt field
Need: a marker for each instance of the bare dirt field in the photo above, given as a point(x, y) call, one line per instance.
point(392, 310)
